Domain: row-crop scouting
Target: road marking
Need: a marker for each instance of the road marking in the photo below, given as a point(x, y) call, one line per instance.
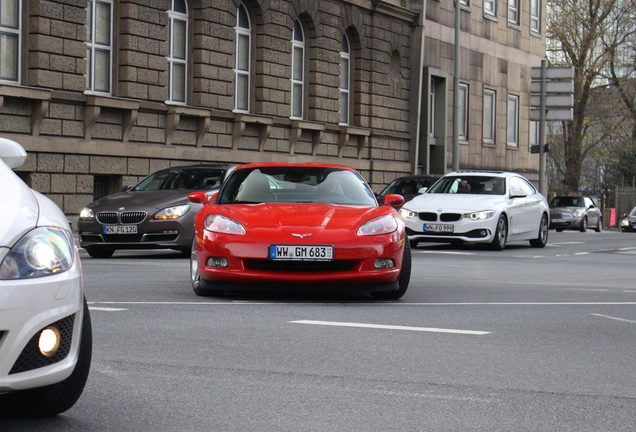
point(390, 327)
point(581, 253)
point(614, 318)
point(568, 243)
point(105, 309)
point(443, 252)
point(589, 289)
point(369, 303)
point(629, 291)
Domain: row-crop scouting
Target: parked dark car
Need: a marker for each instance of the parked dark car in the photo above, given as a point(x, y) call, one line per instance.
point(575, 212)
point(628, 221)
point(408, 186)
point(153, 214)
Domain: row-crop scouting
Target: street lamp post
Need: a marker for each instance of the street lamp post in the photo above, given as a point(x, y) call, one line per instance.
point(456, 91)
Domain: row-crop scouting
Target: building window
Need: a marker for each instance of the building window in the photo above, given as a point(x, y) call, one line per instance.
point(463, 112)
point(298, 71)
point(10, 40)
point(534, 135)
point(464, 2)
point(243, 59)
point(345, 80)
point(490, 7)
point(513, 120)
point(431, 108)
point(490, 113)
point(535, 16)
point(513, 12)
point(99, 42)
point(178, 60)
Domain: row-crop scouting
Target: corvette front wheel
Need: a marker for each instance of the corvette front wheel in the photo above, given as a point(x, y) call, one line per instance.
point(200, 287)
point(403, 280)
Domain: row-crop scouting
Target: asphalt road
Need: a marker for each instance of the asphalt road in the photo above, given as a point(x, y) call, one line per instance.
point(524, 339)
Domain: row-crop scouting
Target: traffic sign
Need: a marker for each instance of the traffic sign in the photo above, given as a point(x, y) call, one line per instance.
point(553, 73)
point(558, 114)
point(552, 100)
point(553, 87)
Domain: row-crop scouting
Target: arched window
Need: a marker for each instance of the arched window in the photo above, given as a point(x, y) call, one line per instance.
point(345, 80)
point(178, 58)
point(99, 45)
point(243, 60)
point(10, 40)
point(298, 72)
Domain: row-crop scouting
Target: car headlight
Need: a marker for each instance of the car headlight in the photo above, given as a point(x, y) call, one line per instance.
point(407, 214)
point(480, 215)
point(625, 222)
point(579, 212)
point(87, 213)
point(172, 212)
point(41, 252)
point(224, 225)
point(381, 225)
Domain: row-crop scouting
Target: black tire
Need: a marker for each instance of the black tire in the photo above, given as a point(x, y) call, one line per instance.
point(403, 280)
point(200, 287)
point(413, 243)
point(542, 238)
point(583, 227)
point(599, 225)
point(56, 398)
point(501, 234)
point(99, 252)
point(559, 230)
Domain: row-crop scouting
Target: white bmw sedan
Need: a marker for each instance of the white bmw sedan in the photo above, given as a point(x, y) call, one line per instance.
point(491, 208)
point(45, 328)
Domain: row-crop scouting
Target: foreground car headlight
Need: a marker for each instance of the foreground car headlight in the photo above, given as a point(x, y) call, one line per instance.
point(407, 214)
point(579, 212)
point(172, 212)
point(480, 215)
point(380, 225)
point(625, 222)
point(41, 252)
point(224, 225)
point(86, 213)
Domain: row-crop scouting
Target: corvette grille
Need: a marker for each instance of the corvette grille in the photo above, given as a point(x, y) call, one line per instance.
point(300, 266)
point(107, 217)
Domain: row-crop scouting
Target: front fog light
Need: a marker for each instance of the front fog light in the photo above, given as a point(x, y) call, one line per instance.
point(49, 341)
point(384, 263)
point(219, 262)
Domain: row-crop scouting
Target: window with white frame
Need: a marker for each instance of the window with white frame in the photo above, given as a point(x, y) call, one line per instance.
point(431, 108)
point(490, 7)
point(490, 112)
point(345, 80)
point(513, 120)
point(534, 134)
point(464, 2)
point(178, 59)
point(298, 71)
point(535, 16)
point(10, 40)
point(99, 43)
point(513, 12)
point(243, 60)
point(463, 112)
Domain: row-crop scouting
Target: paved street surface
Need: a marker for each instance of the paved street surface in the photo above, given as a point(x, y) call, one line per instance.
point(520, 340)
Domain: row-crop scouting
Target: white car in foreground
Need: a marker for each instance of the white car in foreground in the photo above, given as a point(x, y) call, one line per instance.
point(478, 207)
point(45, 328)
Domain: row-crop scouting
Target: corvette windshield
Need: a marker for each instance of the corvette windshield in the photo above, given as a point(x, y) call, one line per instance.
point(297, 185)
point(192, 178)
point(476, 185)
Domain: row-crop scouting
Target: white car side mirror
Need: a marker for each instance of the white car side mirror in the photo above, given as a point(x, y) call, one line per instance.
point(12, 153)
point(422, 190)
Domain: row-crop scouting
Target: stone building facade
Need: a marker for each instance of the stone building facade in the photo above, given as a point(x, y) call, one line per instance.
point(103, 92)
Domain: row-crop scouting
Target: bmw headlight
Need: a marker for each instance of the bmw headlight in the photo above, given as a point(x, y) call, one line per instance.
point(172, 212)
point(43, 251)
point(407, 214)
point(480, 215)
point(86, 213)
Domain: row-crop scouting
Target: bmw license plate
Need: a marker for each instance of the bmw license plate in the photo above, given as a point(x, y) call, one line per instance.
point(119, 229)
point(300, 253)
point(556, 220)
point(445, 228)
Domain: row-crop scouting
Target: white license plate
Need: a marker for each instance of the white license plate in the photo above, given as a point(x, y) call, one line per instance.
point(119, 229)
point(300, 253)
point(557, 220)
point(438, 228)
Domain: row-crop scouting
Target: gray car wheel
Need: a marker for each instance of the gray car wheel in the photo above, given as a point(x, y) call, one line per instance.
point(501, 234)
point(542, 238)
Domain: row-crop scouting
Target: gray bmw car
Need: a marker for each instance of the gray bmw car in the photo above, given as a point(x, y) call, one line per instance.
point(153, 214)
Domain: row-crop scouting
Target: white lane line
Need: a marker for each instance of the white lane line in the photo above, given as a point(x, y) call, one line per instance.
point(386, 303)
point(581, 253)
point(614, 318)
point(443, 252)
point(105, 309)
point(589, 289)
point(629, 291)
point(568, 243)
point(390, 327)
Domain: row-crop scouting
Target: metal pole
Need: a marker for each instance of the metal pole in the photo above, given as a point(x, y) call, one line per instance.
point(456, 91)
point(542, 185)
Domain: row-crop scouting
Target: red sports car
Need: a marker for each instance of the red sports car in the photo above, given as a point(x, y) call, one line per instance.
point(280, 224)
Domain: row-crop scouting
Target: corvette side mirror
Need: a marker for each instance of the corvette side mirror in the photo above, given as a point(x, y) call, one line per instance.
point(198, 197)
point(393, 200)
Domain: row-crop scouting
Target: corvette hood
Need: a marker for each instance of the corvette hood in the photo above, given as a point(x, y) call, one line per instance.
point(454, 202)
point(18, 207)
point(315, 217)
